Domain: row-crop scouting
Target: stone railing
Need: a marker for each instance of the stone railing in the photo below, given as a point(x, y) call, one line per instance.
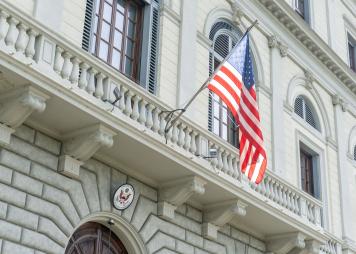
point(64, 63)
point(332, 246)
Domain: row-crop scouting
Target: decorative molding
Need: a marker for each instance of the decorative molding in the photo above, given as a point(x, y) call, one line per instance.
point(81, 145)
point(274, 42)
point(237, 12)
point(337, 100)
point(309, 79)
point(175, 193)
point(219, 214)
point(311, 247)
point(284, 243)
point(17, 105)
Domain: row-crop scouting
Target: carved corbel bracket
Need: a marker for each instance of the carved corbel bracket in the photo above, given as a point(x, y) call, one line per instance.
point(274, 42)
point(311, 247)
point(237, 13)
point(16, 106)
point(219, 214)
point(81, 145)
point(175, 193)
point(284, 243)
point(337, 100)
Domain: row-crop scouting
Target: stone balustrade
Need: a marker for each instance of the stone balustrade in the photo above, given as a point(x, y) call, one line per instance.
point(79, 71)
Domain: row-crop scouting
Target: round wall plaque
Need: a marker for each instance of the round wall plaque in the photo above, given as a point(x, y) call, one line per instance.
point(123, 196)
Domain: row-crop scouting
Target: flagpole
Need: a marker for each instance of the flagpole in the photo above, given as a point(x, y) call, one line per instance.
point(171, 122)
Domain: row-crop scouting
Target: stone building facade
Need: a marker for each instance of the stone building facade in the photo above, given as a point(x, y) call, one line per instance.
point(85, 87)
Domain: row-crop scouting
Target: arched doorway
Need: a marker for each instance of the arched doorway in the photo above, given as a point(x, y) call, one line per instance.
point(93, 238)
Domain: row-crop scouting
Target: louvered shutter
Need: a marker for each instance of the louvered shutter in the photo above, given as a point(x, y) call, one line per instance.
point(87, 31)
point(152, 63)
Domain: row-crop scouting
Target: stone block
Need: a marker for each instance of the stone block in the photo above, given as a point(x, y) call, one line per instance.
point(3, 210)
point(258, 244)
point(33, 153)
point(47, 227)
point(13, 248)
point(26, 133)
point(240, 247)
point(12, 196)
point(27, 184)
point(194, 239)
point(194, 214)
point(187, 223)
point(185, 248)
point(241, 236)
point(5, 134)
point(200, 251)
point(166, 251)
point(51, 211)
point(228, 242)
point(160, 240)
point(10, 231)
point(22, 217)
point(5, 174)
point(47, 143)
point(166, 210)
point(41, 242)
point(226, 229)
point(182, 209)
point(69, 166)
point(214, 247)
point(64, 202)
point(251, 250)
point(90, 188)
point(144, 208)
point(210, 231)
point(14, 161)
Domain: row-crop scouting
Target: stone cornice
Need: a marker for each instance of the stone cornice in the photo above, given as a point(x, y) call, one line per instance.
point(311, 41)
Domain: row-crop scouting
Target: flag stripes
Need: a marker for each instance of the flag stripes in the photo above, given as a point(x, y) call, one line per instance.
point(233, 82)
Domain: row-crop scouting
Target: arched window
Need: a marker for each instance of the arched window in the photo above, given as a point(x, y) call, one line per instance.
point(221, 122)
point(94, 238)
point(303, 108)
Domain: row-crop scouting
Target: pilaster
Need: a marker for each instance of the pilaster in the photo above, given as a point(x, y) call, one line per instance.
point(277, 52)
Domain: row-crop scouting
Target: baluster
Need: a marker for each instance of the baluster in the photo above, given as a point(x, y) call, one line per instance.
point(181, 135)
point(30, 48)
point(230, 166)
point(193, 143)
point(128, 106)
point(83, 79)
point(175, 133)
point(3, 24)
point(236, 168)
point(284, 196)
point(214, 161)
point(21, 41)
point(288, 199)
point(66, 67)
point(143, 112)
point(150, 115)
point(225, 167)
point(273, 190)
point(58, 59)
point(11, 35)
point(220, 161)
point(187, 138)
point(74, 75)
point(263, 187)
point(91, 84)
point(156, 122)
point(317, 214)
point(99, 89)
point(122, 104)
point(268, 190)
point(297, 206)
point(135, 110)
point(163, 122)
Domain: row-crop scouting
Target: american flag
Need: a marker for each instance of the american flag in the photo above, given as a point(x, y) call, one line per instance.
point(234, 83)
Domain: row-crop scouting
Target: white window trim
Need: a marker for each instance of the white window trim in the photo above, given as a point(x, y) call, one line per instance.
point(309, 18)
point(349, 30)
point(322, 171)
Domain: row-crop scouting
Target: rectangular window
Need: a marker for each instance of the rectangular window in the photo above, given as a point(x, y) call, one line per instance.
point(124, 34)
point(309, 169)
point(352, 52)
point(302, 8)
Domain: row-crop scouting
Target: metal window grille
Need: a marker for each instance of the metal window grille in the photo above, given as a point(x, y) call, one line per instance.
point(355, 153)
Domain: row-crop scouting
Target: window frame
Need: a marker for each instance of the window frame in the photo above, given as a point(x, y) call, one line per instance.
point(307, 104)
point(306, 12)
point(351, 42)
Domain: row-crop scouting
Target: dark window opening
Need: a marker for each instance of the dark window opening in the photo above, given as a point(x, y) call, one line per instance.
point(352, 52)
point(301, 7)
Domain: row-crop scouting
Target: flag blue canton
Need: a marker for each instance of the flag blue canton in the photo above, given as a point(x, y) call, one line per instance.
point(241, 60)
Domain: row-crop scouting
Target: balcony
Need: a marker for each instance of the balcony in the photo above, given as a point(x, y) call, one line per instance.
point(68, 93)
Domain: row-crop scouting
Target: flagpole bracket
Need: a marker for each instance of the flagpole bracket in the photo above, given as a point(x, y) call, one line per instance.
point(170, 120)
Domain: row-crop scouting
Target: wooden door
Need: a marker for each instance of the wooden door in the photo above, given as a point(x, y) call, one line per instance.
point(306, 165)
point(93, 238)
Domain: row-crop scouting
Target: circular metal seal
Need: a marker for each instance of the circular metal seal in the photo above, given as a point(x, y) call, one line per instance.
point(123, 196)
